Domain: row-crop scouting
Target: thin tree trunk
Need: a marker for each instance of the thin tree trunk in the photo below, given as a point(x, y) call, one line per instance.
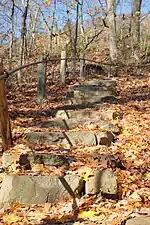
point(52, 28)
point(76, 37)
point(112, 30)
point(12, 33)
point(23, 37)
point(135, 27)
point(81, 19)
point(33, 30)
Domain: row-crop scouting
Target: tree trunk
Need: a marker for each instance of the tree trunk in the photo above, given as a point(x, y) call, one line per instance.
point(12, 33)
point(23, 36)
point(52, 28)
point(76, 37)
point(4, 117)
point(135, 28)
point(41, 84)
point(112, 30)
point(33, 31)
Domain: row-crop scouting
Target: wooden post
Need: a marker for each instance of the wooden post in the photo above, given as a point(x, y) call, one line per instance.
point(41, 84)
point(4, 116)
point(63, 67)
point(82, 65)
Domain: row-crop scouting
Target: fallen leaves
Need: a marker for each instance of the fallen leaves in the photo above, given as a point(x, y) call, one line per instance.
point(12, 219)
point(132, 146)
point(86, 214)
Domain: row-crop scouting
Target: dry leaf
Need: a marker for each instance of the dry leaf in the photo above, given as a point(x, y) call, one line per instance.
point(84, 214)
point(12, 218)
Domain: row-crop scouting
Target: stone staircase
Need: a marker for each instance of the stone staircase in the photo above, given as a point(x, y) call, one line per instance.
point(79, 123)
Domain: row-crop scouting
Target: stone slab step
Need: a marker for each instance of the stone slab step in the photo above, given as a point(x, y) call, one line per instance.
point(90, 101)
point(105, 83)
point(69, 124)
point(29, 158)
point(87, 113)
point(93, 91)
point(27, 189)
point(71, 138)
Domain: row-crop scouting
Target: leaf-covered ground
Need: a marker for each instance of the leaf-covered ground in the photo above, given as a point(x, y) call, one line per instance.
point(132, 147)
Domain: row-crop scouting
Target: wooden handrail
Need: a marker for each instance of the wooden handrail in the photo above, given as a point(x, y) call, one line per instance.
point(8, 73)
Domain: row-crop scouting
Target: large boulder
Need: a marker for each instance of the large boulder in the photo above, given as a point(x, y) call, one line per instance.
point(38, 189)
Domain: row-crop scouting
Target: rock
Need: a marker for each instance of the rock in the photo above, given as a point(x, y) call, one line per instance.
point(108, 181)
point(90, 187)
point(101, 82)
point(38, 189)
point(104, 115)
point(86, 100)
point(46, 137)
point(68, 124)
point(103, 181)
point(95, 84)
point(71, 138)
point(64, 114)
point(7, 159)
point(104, 138)
point(141, 220)
point(92, 92)
point(81, 137)
point(108, 160)
point(37, 158)
point(43, 158)
point(66, 139)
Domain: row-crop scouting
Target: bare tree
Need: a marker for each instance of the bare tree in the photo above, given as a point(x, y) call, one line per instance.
point(34, 23)
point(135, 27)
point(76, 34)
point(12, 30)
point(23, 35)
point(112, 30)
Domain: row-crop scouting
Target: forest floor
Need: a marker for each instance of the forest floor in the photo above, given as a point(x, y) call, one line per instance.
point(132, 147)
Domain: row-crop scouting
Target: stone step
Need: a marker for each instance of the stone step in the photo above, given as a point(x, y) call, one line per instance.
point(27, 159)
point(87, 114)
point(105, 83)
point(71, 138)
point(29, 189)
point(90, 101)
point(69, 124)
point(93, 91)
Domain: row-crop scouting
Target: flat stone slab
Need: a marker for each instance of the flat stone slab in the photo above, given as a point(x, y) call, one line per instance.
point(106, 83)
point(79, 114)
point(71, 138)
point(90, 100)
point(27, 159)
point(38, 189)
point(103, 181)
point(140, 220)
point(68, 124)
point(93, 91)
